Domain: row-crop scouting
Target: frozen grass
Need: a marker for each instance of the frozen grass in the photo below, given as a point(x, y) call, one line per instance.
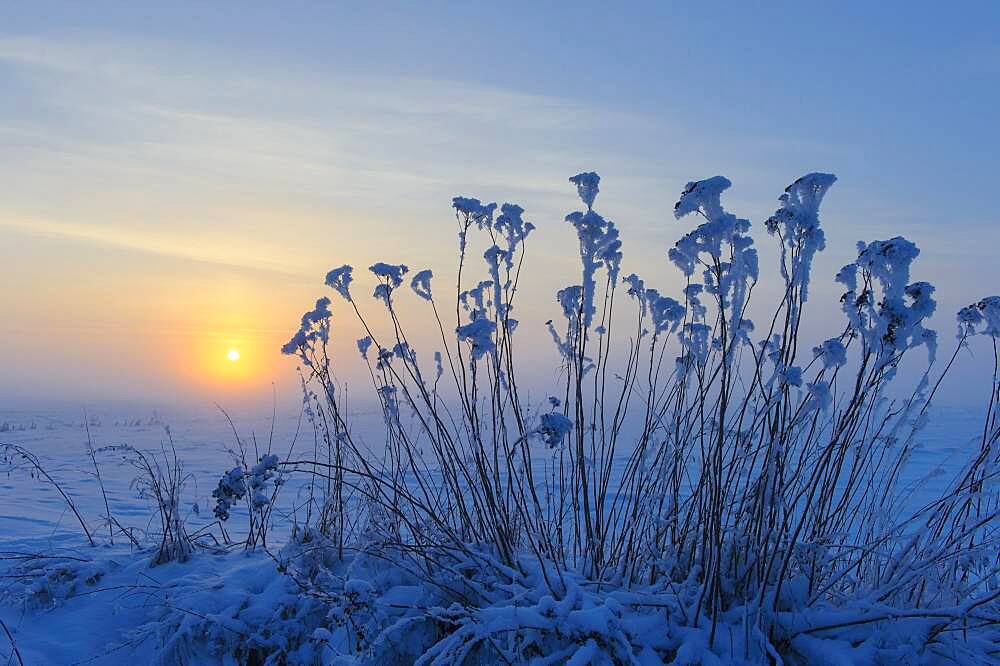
point(758, 515)
point(695, 490)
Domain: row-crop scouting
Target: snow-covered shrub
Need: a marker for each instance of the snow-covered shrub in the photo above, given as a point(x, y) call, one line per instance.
point(696, 491)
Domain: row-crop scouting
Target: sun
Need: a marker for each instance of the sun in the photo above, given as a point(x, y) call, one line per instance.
point(233, 355)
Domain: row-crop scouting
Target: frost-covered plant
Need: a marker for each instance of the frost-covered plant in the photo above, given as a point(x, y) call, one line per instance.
point(314, 328)
point(690, 474)
point(796, 223)
point(231, 489)
point(421, 284)
point(163, 479)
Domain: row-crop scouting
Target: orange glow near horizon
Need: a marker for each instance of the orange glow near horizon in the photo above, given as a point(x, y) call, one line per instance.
point(227, 363)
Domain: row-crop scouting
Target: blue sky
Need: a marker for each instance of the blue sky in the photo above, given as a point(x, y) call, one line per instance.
point(180, 171)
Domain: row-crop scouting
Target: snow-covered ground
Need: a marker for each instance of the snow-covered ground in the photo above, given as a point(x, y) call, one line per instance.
point(115, 592)
point(107, 605)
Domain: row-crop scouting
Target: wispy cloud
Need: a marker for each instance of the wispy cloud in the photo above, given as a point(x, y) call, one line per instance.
point(158, 245)
point(159, 104)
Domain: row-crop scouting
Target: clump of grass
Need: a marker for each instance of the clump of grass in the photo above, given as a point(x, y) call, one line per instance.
point(163, 479)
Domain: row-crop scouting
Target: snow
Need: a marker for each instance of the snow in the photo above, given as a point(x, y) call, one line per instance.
point(113, 606)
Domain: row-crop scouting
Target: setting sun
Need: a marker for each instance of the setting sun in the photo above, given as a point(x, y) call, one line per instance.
point(233, 355)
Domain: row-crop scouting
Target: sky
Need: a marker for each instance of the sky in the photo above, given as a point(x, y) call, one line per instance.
point(178, 177)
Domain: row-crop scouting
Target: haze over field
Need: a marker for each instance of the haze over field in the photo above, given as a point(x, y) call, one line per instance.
point(178, 179)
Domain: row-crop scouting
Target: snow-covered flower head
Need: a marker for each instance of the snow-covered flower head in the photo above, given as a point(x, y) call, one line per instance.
point(727, 275)
point(889, 312)
point(986, 312)
point(403, 351)
point(514, 229)
point(389, 402)
point(421, 284)
point(340, 280)
point(314, 326)
point(232, 487)
point(569, 300)
point(384, 359)
point(832, 353)
point(363, 345)
point(391, 276)
point(475, 301)
point(797, 222)
point(789, 375)
point(600, 245)
point(479, 333)
point(703, 196)
point(695, 343)
point(587, 187)
point(720, 227)
point(889, 262)
point(820, 395)
point(493, 257)
point(390, 273)
point(636, 287)
point(665, 312)
point(438, 366)
point(473, 211)
point(553, 428)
